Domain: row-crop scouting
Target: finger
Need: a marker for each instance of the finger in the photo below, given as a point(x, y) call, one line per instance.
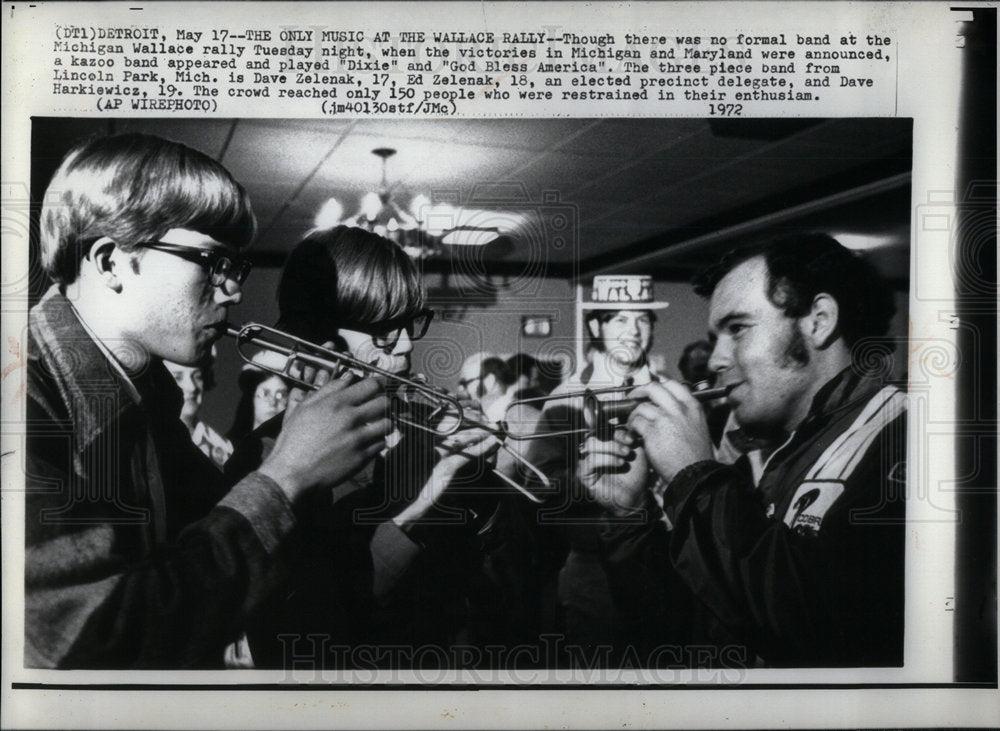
point(372, 410)
point(322, 378)
point(683, 395)
point(373, 449)
point(313, 396)
point(649, 412)
point(594, 446)
point(659, 395)
point(488, 443)
point(643, 420)
point(474, 433)
point(604, 462)
point(364, 390)
point(295, 397)
point(625, 437)
point(336, 385)
point(375, 430)
point(460, 441)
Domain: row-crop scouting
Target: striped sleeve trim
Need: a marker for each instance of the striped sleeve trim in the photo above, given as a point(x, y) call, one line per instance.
point(843, 456)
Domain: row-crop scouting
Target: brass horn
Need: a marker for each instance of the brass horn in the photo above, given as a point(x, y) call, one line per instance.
point(602, 416)
point(296, 350)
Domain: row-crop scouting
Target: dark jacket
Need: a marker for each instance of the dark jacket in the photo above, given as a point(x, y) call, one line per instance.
point(804, 569)
point(367, 593)
point(135, 556)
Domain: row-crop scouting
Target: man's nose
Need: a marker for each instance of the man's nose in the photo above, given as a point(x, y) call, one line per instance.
point(229, 293)
point(404, 345)
point(720, 358)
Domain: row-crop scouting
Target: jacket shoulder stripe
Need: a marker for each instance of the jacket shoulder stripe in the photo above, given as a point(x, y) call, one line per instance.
point(843, 456)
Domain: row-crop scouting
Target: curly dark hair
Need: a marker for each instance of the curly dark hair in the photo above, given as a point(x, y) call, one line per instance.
point(801, 266)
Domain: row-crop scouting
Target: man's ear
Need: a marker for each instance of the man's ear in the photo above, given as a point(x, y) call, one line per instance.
point(820, 325)
point(104, 259)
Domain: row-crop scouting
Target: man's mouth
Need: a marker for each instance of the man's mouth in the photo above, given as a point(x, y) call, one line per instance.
point(732, 386)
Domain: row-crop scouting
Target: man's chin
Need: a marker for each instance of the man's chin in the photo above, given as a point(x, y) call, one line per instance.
point(628, 360)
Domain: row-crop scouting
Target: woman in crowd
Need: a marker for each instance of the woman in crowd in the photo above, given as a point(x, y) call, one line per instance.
point(194, 382)
point(263, 396)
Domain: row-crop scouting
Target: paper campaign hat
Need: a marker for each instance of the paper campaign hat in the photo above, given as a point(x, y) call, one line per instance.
point(623, 292)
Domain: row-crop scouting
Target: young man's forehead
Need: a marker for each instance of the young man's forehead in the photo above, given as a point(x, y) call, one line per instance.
point(633, 314)
point(743, 291)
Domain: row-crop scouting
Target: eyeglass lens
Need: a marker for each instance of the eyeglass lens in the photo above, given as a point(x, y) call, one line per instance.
point(415, 329)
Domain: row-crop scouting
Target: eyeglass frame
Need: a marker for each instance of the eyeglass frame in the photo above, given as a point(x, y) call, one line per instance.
point(209, 259)
point(386, 334)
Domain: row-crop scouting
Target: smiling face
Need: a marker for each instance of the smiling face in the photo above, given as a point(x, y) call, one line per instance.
point(171, 308)
point(760, 351)
point(625, 336)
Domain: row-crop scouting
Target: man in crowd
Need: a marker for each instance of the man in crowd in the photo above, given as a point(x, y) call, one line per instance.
point(496, 381)
point(527, 376)
point(494, 387)
point(469, 375)
point(619, 319)
point(801, 565)
point(135, 555)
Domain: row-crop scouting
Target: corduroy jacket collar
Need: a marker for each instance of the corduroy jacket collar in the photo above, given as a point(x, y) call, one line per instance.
point(90, 386)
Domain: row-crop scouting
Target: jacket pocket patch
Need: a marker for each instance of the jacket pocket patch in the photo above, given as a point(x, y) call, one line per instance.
point(810, 503)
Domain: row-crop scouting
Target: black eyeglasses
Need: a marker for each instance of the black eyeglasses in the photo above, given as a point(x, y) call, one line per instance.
point(222, 267)
point(386, 334)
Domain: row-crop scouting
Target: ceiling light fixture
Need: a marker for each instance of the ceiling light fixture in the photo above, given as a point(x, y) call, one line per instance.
point(424, 228)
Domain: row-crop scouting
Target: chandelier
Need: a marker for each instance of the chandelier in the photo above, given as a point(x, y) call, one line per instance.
point(421, 231)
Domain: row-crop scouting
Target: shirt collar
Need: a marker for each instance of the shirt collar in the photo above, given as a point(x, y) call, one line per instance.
point(91, 382)
point(842, 392)
point(602, 372)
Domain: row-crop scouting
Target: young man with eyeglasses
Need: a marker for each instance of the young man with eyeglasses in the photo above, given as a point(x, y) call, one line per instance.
point(135, 553)
point(396, 551)
point(619, 318)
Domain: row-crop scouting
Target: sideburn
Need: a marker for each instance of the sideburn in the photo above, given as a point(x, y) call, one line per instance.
point(796, 351)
